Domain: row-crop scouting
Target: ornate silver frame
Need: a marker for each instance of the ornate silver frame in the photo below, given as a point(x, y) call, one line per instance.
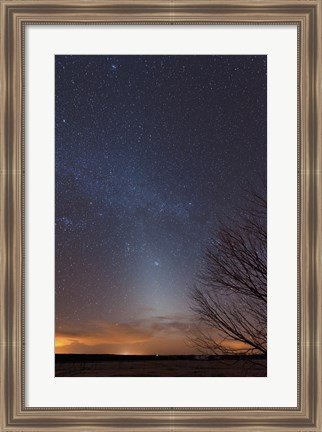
point(15, 15)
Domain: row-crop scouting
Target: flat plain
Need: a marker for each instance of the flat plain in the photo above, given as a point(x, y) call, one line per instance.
point(159, 366)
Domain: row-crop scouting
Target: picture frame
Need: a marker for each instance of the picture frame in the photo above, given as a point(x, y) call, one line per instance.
point(15, 16)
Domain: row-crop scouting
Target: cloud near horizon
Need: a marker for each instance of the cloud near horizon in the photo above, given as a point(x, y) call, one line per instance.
point(162, 335)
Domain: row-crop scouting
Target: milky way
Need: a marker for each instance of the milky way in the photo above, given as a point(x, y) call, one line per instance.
point(151, 151)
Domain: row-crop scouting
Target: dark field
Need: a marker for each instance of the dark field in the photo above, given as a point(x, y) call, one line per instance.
point(72, 365)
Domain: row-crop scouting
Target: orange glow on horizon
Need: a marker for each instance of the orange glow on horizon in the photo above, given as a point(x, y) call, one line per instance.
point(102, 337)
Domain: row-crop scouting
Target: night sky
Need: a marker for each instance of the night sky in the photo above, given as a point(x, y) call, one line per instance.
point(151, 151)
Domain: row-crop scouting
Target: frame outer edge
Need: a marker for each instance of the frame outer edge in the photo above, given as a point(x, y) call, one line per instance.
point(11, 257)
point(3, 219)
point(310, 181)
point(318, 251)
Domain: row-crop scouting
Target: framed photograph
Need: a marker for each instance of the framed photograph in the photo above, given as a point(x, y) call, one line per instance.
point(161, 215)
point(132, 220)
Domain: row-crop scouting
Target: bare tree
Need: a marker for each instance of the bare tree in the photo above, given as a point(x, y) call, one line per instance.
point(230, 294)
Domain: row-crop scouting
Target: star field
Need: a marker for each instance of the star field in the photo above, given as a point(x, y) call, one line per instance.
point(151, 151)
